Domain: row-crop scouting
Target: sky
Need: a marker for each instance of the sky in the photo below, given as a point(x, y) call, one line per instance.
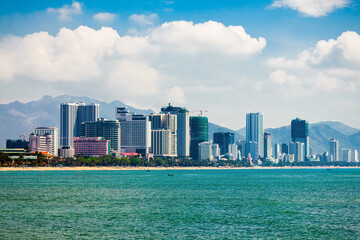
point(285, 58)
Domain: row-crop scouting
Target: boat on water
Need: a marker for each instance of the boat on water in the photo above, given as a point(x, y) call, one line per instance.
point(148, 170)
point(170, 175)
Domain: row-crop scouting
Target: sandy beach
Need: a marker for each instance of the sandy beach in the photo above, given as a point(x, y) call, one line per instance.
point(152, 168)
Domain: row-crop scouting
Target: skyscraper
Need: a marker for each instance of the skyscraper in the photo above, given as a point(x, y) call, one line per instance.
point(284, 148)
point(298, 149)
point(183, 129)
point(107, 129)
point(334, 149)
point(267, 145)
point(276, 150)
point(255, 130)
point(346, 155)
point(224, 139)
point(199, 132)
point(68, 113)
point(53, 132)
point(163, 134)
point(300, 133)
point(252, 148)
point(135, 131)
point(85, 113)
point(71, 117)
point(354, 156)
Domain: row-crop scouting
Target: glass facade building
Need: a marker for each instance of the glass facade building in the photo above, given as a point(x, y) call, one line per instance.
point(199, 132)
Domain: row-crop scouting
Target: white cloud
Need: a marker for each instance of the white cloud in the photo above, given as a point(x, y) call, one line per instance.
point(281, 77)
point(208, 37)
point(176, 96)
point(104, 17)
point(331, 65)
point(67, 11)
point(142, 70)
point(144, 20)
point(312, 8)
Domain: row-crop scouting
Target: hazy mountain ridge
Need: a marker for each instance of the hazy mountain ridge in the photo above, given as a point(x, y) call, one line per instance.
point(17, 118)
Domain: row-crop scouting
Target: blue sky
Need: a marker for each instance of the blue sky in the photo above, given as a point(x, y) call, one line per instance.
point(286, 58)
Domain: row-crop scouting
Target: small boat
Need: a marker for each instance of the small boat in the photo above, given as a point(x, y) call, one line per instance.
point(148, 170)
point(170, 175)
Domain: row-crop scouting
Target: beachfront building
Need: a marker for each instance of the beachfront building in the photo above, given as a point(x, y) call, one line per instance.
point(53, 132)
point(334, 149)
point(107, 129)
point(135, 131)
point(72, 115)
point(255, 131)
point(40, 143)
point(205, 151)
point(163, 134)
point(93, 146)
point(298, 149)
point(183, 129)
point(199, 132)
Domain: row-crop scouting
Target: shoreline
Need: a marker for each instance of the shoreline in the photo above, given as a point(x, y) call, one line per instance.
point(84, 168)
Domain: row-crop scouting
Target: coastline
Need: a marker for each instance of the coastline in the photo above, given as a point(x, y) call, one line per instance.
point(114, 168)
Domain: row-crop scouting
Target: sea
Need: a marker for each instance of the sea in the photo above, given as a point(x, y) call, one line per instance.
point(181, 204)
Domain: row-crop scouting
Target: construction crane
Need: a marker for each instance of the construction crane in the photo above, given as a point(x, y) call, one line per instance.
point(23, 137)
point(200, 112)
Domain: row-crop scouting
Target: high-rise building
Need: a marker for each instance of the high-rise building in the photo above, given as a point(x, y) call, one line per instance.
point(71, 117)
point(300, 133)
point(241, 148)
point(224, 139)
point(252, 148)
point(53, 132)
point(85, 113)
point(346, 155)
point(354, 155)
point(205, 151)
point(163, 134)
point(276, 150)
point(199, 132)
point(284, 148)
point(107, 129)
point(267, 145)
point(215, 150)
point(183, 129)
point(334, 149)
point(135, 131)
point(93, 146)
point(40, 143)
point(234, 152)
point(255, 131)
point(19, 143)
point(298, 149)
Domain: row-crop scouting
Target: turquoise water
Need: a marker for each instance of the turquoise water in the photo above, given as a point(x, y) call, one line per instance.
point(192, 204)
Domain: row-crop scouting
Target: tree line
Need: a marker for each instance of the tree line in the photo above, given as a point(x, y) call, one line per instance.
point(109, 160)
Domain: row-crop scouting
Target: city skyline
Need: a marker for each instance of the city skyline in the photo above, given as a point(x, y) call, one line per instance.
point(276, 57)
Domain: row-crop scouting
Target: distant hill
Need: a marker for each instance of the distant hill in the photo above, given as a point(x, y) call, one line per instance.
point(320, 135)
point(17, 118)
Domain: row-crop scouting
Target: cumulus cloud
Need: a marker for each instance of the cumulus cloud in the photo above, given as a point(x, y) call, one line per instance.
point(104, 17)
point(312, 8)
point(144, 20)
point(67, 11)
point(330, 65)
point(187, 37)
point(136, 67)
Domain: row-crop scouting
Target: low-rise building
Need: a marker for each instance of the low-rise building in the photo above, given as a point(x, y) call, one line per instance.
point(93, 146)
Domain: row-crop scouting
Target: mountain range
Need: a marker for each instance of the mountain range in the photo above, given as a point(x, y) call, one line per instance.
point(18, 118)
